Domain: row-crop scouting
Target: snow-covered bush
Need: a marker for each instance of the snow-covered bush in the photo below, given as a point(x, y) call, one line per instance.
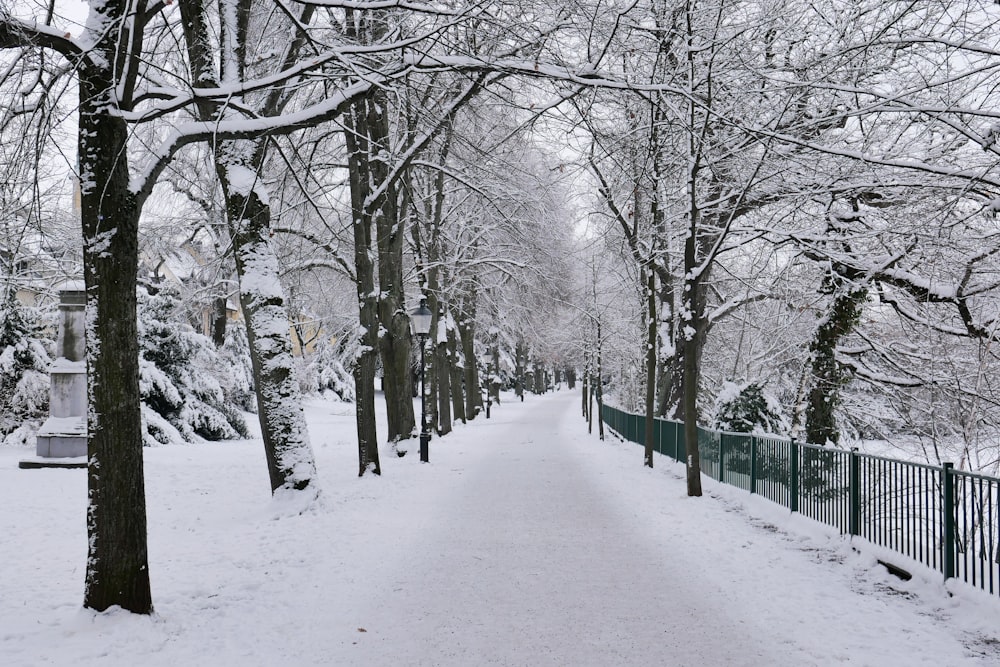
point(237, 381)
point(745, 408)
point(179, 371)
point(328, 369)
point(24, 378)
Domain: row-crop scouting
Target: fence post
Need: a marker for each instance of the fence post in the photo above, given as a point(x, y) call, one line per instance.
point(948, 512)
point(722, 457)
point(753, 464)
point(677, 441)
point(793, 476)
point(854, 522)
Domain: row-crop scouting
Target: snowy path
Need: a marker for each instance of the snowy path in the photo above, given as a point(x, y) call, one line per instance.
point(524, 542)
point(554, 553)
point(528, 564)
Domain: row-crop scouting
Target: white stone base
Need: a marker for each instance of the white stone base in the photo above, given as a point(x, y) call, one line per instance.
point(62, 437)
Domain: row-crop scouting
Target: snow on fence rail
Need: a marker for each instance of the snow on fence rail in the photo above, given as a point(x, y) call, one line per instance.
point(946, 519)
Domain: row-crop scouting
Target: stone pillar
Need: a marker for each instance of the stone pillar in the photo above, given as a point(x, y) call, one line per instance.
point(64, 433)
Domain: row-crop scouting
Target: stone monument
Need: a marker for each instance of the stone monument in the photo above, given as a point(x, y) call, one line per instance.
point(64, 434)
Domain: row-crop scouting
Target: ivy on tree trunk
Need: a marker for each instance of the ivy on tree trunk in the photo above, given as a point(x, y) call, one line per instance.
point(828, 374)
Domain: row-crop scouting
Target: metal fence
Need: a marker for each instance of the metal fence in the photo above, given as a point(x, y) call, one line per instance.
point(946, 519)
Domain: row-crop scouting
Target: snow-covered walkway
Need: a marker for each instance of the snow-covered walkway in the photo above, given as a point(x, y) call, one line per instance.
point(524, 542)
point(527, 562)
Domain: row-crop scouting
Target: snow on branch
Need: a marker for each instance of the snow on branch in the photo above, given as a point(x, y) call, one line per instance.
point(15, 33)
point(905, 311)
point(191, 132)
point(419, 143)
point(977, 174)
point(863, 372)
point(584, 76)
point(376, 5)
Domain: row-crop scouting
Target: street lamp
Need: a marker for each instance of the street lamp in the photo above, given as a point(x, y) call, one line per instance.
point(420, 326)
point(489, 388)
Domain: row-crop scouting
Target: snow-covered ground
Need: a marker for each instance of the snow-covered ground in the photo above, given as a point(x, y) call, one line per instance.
point(525, 541)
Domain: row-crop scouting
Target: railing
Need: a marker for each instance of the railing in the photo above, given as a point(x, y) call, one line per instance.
point(946, 519)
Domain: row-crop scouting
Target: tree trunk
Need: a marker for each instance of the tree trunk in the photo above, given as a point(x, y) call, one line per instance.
point(289, 455)
point(651, 357)
point(473, 398)
point(691, 419)
point(432, 387)
point(590, 411)
point(519, 359)
point(117, 561)
point(433, 272)
point(373, 204)
point(457, 370)
point(238, 164)
point(443, 370)
point(219, 321)
point(670, 399)
point(828, 375)
point(373, 174)
point(364, 409)
point(356, 138)
point(598, 389)
point(394, 341)
point(467, 333)
point(395, 351)
point(693, 336)
point(439, 373)
point(670, 384)
point(495, 376)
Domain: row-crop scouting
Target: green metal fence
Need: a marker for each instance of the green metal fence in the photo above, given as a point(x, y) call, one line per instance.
point(946, 519)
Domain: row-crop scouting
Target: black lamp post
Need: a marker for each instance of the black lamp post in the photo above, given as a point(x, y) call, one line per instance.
point(420, 326)
point(489, 390)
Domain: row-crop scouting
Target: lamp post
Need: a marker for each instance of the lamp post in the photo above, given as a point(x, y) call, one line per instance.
point(420, 326)
point(489, 387)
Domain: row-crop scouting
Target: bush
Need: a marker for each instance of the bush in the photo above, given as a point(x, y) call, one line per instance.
point(179, 371)
point(24, 376)
point(747, 409)
point(328, 369)
point(237, 381)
